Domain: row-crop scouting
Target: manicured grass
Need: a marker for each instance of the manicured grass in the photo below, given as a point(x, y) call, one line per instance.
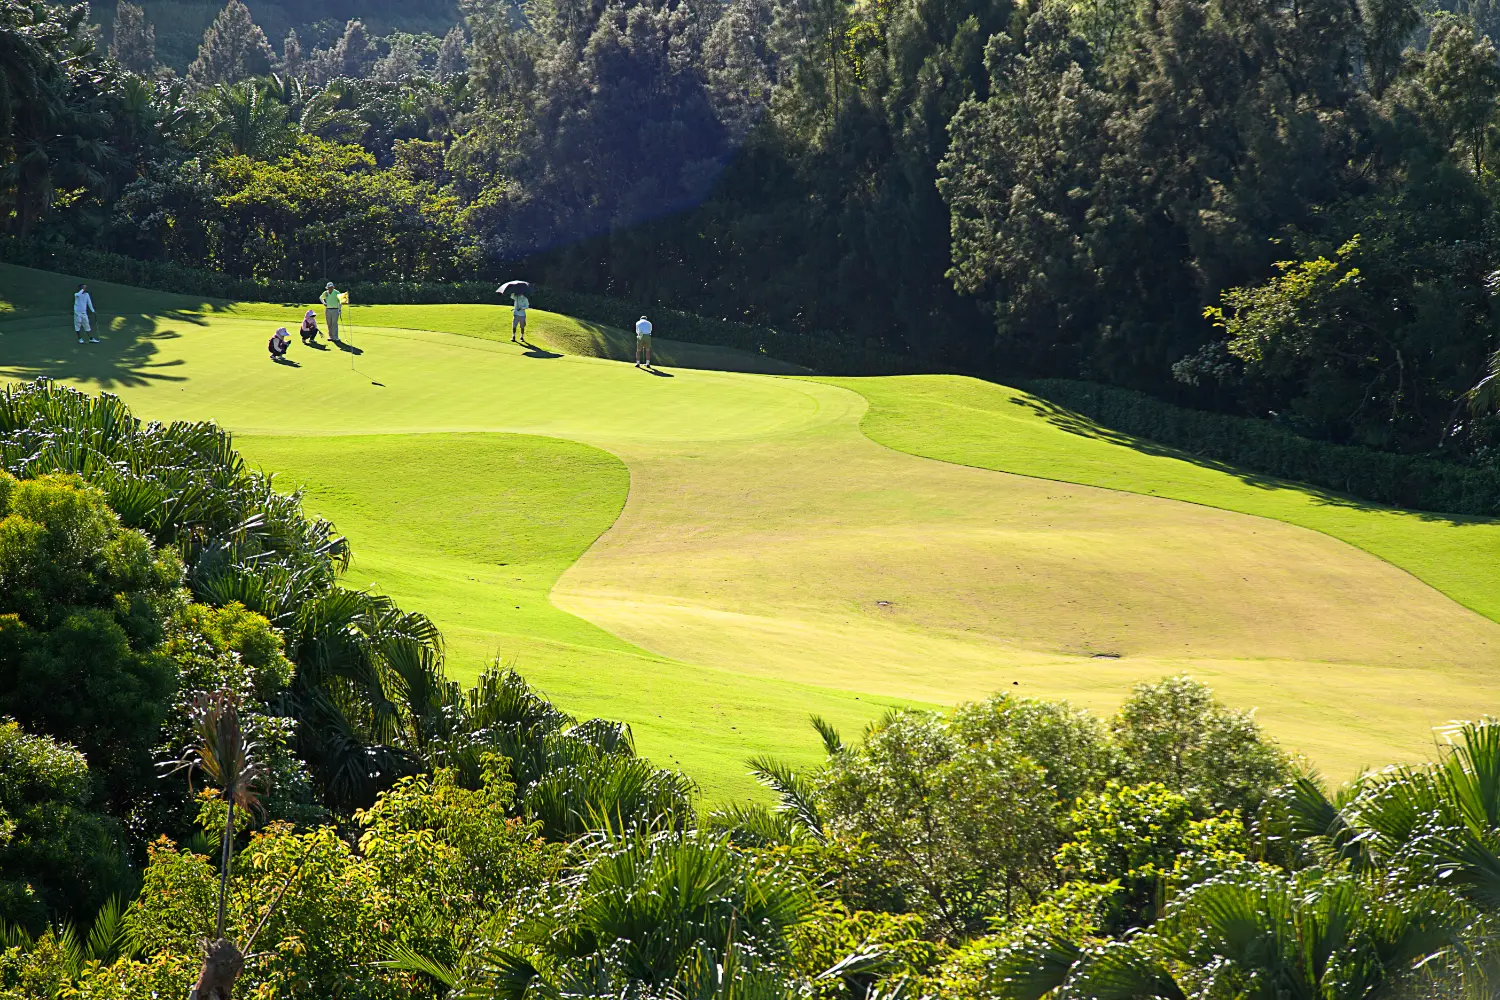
point(546, 331)
point(474, 529)
point(988, 426)
point(770, 559)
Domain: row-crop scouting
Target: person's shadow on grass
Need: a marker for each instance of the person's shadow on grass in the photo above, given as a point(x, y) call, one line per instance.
point(286, 361)
point(657, 372)
point(315, 345)
point(348, 348)
point(534, 351)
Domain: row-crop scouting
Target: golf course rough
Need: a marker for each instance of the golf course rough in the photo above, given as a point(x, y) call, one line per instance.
point(711, 555)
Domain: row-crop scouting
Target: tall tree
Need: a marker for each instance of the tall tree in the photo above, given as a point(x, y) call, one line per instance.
point(292, 66)
point(450, 59)
point(354, 55)
point(1388, 29)
point(402, 62)
point(233, 49)
point(134, 42)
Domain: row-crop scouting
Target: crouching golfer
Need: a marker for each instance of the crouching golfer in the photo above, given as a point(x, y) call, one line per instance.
point(278, 344)
point(83, 304)
point(309, 330)
point(332, 306)
point(643, 341)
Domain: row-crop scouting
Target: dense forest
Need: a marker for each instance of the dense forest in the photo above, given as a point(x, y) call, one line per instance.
point(1284, 210)
point(217, 762)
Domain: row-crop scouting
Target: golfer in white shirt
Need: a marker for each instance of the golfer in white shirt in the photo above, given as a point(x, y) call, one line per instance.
point(643, 341)
point(83, 304)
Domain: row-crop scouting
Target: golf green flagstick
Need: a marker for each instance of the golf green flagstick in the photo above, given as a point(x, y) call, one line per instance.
point(352, 366)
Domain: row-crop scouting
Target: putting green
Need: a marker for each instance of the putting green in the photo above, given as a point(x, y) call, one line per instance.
point(770, 559)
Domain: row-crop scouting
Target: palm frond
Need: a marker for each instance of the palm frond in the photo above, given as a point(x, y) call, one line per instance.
point(833, 743)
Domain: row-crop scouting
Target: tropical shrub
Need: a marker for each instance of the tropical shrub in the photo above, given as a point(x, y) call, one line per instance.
point(572, 777)
point(1135, 838)
point(58, 857)
point(647, 915)
point(433, 861)
point(967, 830)
point(84, 602)
point(368, 684)
point(1176, 733)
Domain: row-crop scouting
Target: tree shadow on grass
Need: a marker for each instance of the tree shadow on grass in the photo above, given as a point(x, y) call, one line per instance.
point(44, 346)
point(1074, 422)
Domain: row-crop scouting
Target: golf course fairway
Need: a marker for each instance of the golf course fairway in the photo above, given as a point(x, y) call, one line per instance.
point(711, 555)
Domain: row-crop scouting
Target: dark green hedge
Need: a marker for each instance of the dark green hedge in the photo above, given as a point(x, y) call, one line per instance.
point(820, 351)
point(98, 265)
point(1259, 446)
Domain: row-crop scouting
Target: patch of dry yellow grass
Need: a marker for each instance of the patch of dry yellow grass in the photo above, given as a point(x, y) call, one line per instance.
point(819, 556)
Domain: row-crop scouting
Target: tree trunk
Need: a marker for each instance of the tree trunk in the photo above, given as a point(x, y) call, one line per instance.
point(225, 856)
point(222, 965)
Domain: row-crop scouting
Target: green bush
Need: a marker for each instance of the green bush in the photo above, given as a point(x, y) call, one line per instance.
point(820, 350)
point(56, 856)
point(82, 606)
point(1409, 481)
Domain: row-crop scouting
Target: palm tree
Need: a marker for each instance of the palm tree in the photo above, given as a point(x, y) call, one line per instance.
point(54, 128)
point(1442, 820)
point(796, 816)
point(650, 915)
point(1255, 934)
point(232, 762)
point(572, 777)
point(246, 118)
point(24, 64)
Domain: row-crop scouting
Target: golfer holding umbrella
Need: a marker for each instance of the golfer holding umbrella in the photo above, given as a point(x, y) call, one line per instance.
point(517, 290)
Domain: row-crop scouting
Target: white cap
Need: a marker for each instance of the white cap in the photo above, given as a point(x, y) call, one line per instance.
point(329, 285)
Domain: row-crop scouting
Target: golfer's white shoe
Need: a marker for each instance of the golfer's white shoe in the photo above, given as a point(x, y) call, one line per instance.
point(94, 340)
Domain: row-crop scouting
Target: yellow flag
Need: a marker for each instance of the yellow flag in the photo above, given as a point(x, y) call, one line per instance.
point(343, 298)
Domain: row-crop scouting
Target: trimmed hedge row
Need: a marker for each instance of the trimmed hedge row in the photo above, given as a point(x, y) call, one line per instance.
point(819, 350)
point(1406, 481)
point(99, 265)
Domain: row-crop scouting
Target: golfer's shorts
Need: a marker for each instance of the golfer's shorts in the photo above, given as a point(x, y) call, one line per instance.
point(81, 323)
point(643, 338)
point(519, 317)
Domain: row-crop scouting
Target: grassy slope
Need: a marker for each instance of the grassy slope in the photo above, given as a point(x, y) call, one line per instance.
point(432, 514)
point(474, 530)
point(988, 426)
point(770, 558)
